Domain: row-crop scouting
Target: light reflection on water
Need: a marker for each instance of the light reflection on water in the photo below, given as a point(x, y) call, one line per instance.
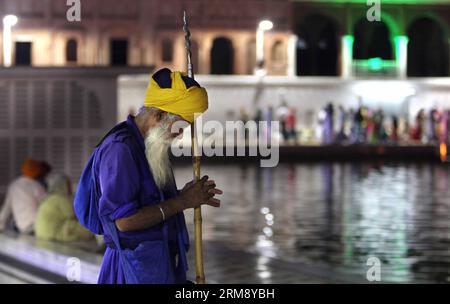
point(337, 214)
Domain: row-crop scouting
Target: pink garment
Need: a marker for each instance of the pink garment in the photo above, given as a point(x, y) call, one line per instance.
point(290, 121)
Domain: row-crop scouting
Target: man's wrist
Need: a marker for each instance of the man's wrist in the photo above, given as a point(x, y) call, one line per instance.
point(179, 203)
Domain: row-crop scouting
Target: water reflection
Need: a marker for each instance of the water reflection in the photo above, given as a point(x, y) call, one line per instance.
point(337, 214)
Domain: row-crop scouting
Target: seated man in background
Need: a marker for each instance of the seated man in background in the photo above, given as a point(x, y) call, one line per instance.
point(56, 220)
point(23, 197)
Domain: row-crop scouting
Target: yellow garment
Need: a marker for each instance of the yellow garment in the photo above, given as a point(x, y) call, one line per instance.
point(178, 99)
point(56, 221)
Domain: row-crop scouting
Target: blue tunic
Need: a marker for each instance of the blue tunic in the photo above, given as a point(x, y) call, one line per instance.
point(126, 185)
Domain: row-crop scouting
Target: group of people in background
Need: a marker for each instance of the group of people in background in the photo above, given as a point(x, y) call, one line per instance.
point(367, 125)
point(40, 203)
point(337, 125)
point(284, 114)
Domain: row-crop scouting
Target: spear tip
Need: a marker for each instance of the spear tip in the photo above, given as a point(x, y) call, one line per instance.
point(184, 17)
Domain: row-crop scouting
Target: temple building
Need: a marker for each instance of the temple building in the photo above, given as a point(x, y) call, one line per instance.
point(309, 37)
point(349, 102)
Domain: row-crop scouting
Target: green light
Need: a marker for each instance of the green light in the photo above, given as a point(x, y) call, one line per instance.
point(401, 53)
point(347, 55)
point(375, 64)
point(401, 44)
point(348, 40)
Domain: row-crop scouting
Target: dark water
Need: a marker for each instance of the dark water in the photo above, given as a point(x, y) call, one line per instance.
point(337, 214)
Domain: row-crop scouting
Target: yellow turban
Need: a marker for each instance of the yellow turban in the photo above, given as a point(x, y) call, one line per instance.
point(178, 99)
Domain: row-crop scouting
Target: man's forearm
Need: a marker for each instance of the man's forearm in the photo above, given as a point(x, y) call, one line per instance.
point(150, 216)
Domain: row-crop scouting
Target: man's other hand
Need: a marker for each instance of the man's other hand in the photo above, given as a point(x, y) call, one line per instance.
point(195, 194)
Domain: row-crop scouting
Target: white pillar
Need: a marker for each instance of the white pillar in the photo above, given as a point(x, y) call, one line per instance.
point(346, 56)
point(401, 55)
point(292, 55)
point(8, 22)
point(260, 64)
point(259, 45)
point(264, 25)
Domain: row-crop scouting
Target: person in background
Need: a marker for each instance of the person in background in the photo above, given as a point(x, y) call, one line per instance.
point(244, 118)
point(291, 124)
point(23, 197)
point(433, 125)
point(268, 117)
point(394, 130)
point(370, 127)
point(404, 129)
point(378, 133)
point(257, 118)
point(444, 127)
point(328, 124)
point(366, 120)
point(417, 131)
point(358, 127)
point(342, 118)
point(56, 220)
point(281, 113)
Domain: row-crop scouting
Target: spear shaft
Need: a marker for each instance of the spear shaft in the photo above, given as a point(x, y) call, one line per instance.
point(199, 270)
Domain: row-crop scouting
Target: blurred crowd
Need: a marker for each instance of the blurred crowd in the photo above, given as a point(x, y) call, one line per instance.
point(367, 125)
point(40, 203)
point(363, 125)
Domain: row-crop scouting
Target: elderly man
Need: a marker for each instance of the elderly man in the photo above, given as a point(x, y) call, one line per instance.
point(23, 197)
point(140, 208)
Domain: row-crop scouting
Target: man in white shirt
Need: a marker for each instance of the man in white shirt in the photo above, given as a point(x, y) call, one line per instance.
point(23, 197)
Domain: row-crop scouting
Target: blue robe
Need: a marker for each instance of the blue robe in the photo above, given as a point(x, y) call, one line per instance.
point(158, 254)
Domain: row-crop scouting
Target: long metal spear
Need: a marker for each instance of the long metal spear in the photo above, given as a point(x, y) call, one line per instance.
point(199, 270)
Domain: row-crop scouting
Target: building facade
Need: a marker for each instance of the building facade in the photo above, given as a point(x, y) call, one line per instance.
point(314, 38)
point(55, 114)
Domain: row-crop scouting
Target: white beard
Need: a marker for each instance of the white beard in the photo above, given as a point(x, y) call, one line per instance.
point(156, 149)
